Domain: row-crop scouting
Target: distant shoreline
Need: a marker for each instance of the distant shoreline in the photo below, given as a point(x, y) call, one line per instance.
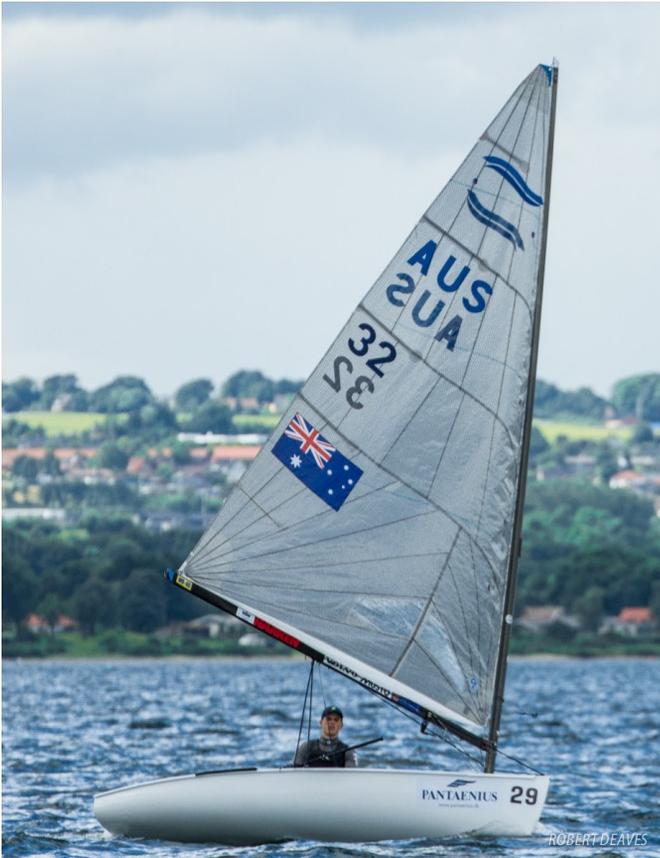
point(120, 645)
point(295, 657)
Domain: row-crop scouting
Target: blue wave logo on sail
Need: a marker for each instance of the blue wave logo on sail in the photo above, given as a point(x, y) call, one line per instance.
point(509, 173)
point(460, 782)
point(316, 462)
point(494, 221)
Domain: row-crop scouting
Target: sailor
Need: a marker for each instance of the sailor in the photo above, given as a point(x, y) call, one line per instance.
point(327, 750)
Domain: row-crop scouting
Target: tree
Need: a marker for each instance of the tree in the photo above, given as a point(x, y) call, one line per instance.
point(590, 607)
point(78, 401)
point(19, 395)
point(249, 383)
point(643, 434)
point(50, 608)
point(14, 432)
point(213, 416)
point(111, 455)
point(593, 527)
point(55, 386)
point(94, 604)
point(545, 398)
point(638, 396)
point(18, 586)
point(157, 416)
point(607, 462)
point(655, 603)
point(125, 393)
point(550, 401)
point(558, 501)
point(583, 403)
point(181, 453)
point(122, 551)
point(286, 386)
point(143, 604)
point(25, 467)
point(560, 632)
point(538, 443)
point(51, 465)
point(190, 396)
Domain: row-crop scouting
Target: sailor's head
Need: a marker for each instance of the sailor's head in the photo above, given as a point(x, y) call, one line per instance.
point(332, 720)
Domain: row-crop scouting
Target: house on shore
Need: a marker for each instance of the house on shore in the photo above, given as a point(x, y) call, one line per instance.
point(538, 618)
point(630, 622)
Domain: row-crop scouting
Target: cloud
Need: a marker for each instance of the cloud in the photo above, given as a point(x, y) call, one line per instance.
point(188, 189)
point(85, 92)
point(204, 264)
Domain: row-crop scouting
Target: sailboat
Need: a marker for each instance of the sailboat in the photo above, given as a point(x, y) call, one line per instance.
point(378, 531)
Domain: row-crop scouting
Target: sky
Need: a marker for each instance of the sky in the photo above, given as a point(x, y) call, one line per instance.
point(193, 189)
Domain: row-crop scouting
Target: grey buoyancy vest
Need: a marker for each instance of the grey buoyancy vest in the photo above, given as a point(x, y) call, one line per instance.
point(323, 756)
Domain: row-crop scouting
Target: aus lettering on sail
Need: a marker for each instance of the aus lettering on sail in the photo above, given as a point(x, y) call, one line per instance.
point(427, 303)
point(440, 289)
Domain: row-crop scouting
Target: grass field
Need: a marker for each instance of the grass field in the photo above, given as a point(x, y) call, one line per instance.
point(59, 422)
point(576, 431)
point(268, 421)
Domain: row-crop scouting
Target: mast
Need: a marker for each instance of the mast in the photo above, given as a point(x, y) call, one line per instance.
point(516, 539)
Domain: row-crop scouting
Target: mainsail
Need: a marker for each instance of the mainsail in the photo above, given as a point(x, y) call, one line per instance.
point(374, 529)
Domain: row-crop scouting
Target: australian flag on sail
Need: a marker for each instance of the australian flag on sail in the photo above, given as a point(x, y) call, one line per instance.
point(316, 463)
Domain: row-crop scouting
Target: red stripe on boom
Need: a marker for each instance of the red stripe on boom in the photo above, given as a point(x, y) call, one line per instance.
point(274, 632)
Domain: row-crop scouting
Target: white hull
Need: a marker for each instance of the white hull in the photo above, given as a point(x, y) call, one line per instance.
point(349, 805)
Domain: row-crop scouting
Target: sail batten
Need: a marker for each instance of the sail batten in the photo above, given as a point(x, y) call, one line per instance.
point(378, 519)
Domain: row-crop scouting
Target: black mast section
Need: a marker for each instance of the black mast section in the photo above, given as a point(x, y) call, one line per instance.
point(516, 540)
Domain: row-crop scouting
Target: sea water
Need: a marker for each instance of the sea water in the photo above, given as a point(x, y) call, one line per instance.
point(71, 729)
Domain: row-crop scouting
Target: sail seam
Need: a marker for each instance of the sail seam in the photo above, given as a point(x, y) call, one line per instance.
point(325, 565)
point(212, 555)
point(440, 376)
point(415, 491)
point(479, 259)
point(467, 637)
point(343, 592)
point(467, 703)
point(198, 552)
point(344, 535)
point(425, 609)
point(478, 604)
